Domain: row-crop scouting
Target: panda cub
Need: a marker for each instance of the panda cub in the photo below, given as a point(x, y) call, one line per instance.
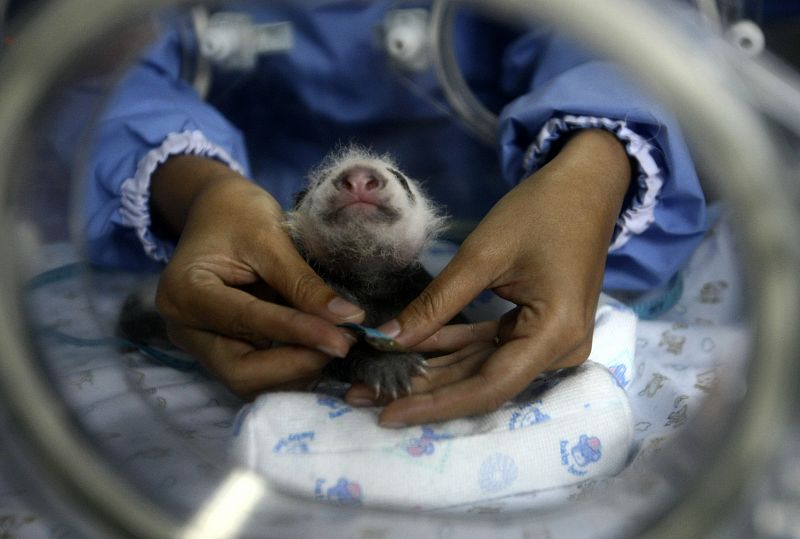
point(361, 224)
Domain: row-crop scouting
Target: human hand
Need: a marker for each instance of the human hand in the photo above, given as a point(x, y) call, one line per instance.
point(233, 260)
point(543, 247)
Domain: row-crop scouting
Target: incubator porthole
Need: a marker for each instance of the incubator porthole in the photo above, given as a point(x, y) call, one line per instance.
point(668, 427)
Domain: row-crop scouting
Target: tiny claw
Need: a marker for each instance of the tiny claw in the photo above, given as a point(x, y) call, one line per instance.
point(407, 387)
point(394, 394)
point(419, 370)
point(376, 390)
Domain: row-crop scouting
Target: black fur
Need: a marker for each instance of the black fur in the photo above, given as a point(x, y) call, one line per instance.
point(299, 196)
point(404, 183)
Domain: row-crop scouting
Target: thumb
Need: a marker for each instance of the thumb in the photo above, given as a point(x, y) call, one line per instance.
point(291, 276)
point(446, 296)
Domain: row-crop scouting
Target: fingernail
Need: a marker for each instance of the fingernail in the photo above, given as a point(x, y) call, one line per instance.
point(391, 328)
point(393, 425)
point(352, 339)
point(331, 352)
point(361, 402)
point(344, 309)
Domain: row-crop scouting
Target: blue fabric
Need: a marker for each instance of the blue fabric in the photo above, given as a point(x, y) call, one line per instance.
point(571, 82)
point(334, 87)
point(773, 10)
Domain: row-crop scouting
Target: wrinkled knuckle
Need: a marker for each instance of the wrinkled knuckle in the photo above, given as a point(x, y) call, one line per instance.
point(304, 288)
point(175, 290)
point(428, 305)
point(195, 277)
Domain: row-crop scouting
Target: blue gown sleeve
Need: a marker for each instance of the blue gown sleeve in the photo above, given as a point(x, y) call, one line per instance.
point(152, 115)
point(562, 88)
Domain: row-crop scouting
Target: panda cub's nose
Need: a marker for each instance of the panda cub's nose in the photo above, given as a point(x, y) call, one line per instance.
point(360, 180)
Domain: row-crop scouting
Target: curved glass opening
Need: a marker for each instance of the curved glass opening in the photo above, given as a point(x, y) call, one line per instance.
point(153, 431)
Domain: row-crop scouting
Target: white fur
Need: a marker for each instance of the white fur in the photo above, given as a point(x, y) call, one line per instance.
point(362, 243)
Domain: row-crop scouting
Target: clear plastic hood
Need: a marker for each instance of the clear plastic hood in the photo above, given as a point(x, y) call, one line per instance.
point(108, 439)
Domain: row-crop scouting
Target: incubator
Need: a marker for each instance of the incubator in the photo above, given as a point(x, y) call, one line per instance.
point(102, 438)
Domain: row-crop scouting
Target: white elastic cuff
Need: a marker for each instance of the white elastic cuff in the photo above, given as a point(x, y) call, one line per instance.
point(135, 196)
point(641, 213)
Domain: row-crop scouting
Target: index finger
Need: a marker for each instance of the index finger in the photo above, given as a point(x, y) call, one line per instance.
point(453, 289)
point(246, 370)
point(457, 336)
point(229, 311)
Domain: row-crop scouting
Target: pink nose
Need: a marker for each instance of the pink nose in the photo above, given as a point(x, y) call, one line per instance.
point(360, 180)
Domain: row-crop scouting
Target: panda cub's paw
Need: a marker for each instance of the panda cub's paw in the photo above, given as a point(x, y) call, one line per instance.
point(388, 373)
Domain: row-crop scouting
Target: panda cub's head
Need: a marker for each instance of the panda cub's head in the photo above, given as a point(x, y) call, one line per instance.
point(359, 212)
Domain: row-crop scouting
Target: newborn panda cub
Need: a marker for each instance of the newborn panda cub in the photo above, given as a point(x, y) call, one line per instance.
point(361, 224)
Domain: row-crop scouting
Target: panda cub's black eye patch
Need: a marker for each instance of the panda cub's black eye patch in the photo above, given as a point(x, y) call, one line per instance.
point(299, 196)
point(404, 182)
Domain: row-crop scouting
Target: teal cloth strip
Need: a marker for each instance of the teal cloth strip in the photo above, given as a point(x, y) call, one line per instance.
point(652, 308)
